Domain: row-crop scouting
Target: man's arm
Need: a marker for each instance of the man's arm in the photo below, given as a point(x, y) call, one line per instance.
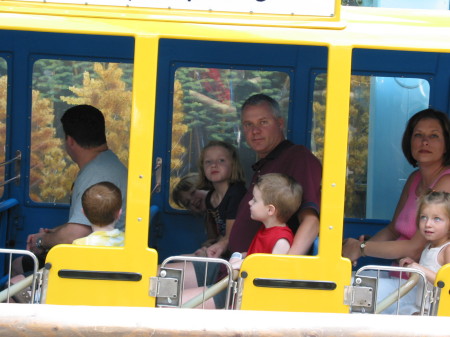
point(308, 173)
point(306, 232)
point(62, 234)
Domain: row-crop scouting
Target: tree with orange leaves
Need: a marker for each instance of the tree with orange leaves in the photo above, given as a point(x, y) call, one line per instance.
point(109, 94)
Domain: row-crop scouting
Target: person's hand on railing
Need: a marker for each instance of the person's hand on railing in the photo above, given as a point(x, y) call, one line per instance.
point(237, 259)
point(201, 252)
point(351, 249)
point(409, 263)
point(217, 249)
point(33, 241)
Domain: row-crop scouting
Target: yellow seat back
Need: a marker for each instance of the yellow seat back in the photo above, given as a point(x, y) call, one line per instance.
point(443, 281)
point(294, 283)
point(107, 276)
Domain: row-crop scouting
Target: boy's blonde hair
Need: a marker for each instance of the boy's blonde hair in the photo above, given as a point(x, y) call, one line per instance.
point(237, 173)
point(281, 191)
point(102, 203)
point(433, 197)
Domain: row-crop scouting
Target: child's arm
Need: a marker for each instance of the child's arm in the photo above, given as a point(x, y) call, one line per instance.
point(211, 229)
point(236, 262)
point(217, 249)
point(410, 263)
point(444, 256)
point(281, 247)
point(405, 262)
point(211, 232)
point(236, 192)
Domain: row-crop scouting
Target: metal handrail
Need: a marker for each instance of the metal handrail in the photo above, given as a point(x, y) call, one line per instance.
point(11, 160)
point(7, 204)
point(17, 159)
point(226, 283)
point(403, 289)
point(31, 280)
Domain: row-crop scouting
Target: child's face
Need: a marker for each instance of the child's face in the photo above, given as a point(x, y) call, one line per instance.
point(434, 224)
point(217, 164)
point(258, 211)
point(194, 200)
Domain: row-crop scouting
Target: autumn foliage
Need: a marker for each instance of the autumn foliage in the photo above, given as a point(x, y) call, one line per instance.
point(52, 172)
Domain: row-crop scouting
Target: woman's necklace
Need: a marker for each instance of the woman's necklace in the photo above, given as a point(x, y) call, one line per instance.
point(425, 184)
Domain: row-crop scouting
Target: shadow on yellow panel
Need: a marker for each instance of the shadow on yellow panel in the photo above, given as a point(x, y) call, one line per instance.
point(295, 283)
point(107, 276)
point(443, 281)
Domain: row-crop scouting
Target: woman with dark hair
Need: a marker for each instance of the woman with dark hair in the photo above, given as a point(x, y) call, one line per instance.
point(425, 145)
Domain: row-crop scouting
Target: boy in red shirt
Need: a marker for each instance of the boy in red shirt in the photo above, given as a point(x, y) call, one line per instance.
point(276, 197)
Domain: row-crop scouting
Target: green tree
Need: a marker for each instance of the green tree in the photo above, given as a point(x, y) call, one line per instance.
point(211, 99)
point(52, 78)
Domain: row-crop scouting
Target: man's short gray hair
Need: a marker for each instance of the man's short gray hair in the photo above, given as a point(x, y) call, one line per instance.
point(262, 98)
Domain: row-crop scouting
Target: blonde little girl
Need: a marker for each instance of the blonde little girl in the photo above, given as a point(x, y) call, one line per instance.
point(220, 173)
point(433, 220)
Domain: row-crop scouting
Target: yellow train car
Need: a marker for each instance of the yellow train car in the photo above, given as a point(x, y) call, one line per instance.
point(169, 77)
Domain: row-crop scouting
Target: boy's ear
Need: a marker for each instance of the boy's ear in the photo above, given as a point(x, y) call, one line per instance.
point(119, 213)
point(271, 209)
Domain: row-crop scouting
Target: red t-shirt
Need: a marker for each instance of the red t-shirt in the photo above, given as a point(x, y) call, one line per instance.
point(266, 238)
point(293, 160)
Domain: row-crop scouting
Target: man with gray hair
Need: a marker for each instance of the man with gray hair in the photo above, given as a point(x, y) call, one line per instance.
point(263, 127)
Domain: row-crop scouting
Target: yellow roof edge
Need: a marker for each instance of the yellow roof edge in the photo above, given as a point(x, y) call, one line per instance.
point(171, 15)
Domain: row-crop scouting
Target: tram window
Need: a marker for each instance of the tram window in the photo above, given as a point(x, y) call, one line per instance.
point(376, 168)
point(206, 102)
point(3, 101)
point(57, 85)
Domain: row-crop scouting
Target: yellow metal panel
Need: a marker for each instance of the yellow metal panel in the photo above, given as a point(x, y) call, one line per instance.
point(328, 265)
point(360, 26)
point(175, 15)
point(141, 143)
point(443, 280)
point(100, 292)
point(335, 152)
point(303, 268)
point(135, 257)
point(366, 28)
